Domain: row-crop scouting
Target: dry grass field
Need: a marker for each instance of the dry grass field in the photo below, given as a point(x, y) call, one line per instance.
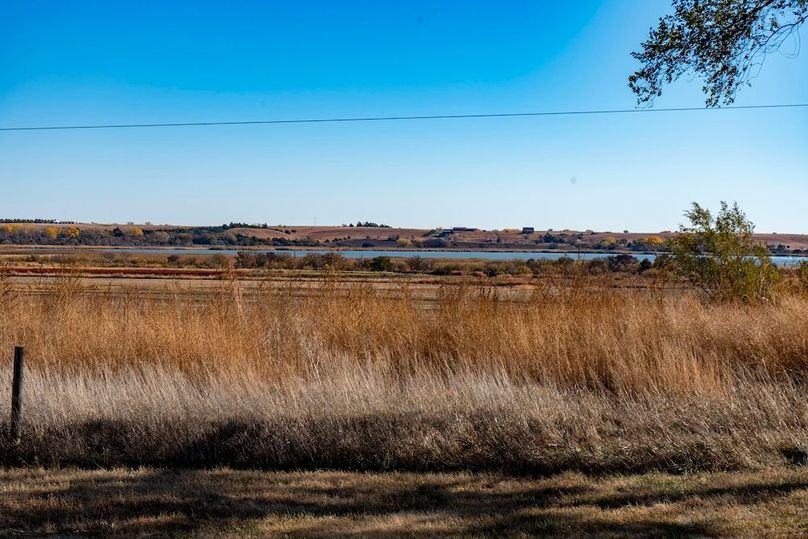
point(566, 379)
point(489, 394)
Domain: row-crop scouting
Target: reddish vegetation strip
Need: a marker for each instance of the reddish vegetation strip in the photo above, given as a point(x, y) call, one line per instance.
point(176, 272)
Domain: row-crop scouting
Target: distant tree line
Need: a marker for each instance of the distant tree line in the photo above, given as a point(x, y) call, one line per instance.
point(133, 236)
point(244, 225)
point(367, 224)
point(37, 221)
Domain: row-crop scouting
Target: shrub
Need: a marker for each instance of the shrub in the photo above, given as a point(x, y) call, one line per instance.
point(718, 256)
point(566, 265)
point(218, 261)
point(597, 266)
point(622, 262)
point(381, 263)
point(417, 263)
point(434, 243)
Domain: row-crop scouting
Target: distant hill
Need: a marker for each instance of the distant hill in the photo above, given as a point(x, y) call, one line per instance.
point(237, 235)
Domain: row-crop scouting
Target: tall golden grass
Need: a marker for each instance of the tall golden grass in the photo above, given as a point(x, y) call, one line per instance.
point(568, 379)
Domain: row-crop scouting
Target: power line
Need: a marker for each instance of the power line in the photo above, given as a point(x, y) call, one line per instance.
point(396, 118)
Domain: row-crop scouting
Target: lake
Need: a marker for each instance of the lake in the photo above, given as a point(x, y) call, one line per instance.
point(367, 253)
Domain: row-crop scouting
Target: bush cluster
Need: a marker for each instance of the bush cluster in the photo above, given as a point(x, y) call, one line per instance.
point(622, 263)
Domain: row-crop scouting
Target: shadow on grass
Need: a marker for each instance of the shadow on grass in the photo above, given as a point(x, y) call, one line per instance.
point(736, 494)
point(215, 502)
point(376, 442)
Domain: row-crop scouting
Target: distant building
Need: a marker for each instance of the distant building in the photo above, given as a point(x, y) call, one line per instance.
point(527, 230)
point(463, 229)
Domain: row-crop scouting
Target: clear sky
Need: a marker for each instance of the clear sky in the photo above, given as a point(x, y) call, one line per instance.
point(82, 62)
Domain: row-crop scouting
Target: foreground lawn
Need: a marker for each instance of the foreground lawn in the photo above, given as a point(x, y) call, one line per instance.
point(228, 502)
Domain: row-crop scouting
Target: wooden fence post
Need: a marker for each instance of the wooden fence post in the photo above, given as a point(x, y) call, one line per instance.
point(16, 394)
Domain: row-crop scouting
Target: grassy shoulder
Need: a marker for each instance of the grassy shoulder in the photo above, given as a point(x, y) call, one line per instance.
point(225, 502)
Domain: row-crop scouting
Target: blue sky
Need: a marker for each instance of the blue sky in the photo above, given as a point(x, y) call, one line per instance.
point(115, 62)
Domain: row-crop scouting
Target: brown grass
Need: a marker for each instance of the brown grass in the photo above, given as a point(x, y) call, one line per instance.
point(229, 503)
point(606, 381)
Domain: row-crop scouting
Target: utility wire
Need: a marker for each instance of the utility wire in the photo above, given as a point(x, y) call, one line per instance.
point(396, 118)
